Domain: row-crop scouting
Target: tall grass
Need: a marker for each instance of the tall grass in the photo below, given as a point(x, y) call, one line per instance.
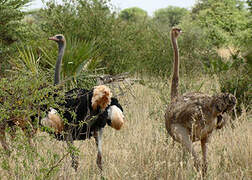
point(141, 150)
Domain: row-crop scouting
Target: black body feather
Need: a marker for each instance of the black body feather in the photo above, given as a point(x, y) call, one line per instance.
point(80, 120)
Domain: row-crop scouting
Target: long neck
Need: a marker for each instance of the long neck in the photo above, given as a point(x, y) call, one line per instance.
point(58, 63)
point(175, 77)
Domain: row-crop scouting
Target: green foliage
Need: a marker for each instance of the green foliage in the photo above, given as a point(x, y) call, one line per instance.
point(22, 95)
point(217, 66)
point(249, 2)
point(28, 60)
point(133, 14)
point(77, 54)
point(114, 44)
point(10, 14)
point(86, 20)
point(234, 76)
point(225, 20)
point(33, 60)
point(12, 29)
point(236, 83)
point(119, 45)
point(86, 26)
point(195, 49)
point(170, 16)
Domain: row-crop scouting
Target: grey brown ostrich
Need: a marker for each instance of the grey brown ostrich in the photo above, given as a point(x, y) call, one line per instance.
point(93, 109)
point(192, 117)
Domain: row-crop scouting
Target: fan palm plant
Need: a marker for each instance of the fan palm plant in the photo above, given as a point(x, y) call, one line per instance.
point(78, 54)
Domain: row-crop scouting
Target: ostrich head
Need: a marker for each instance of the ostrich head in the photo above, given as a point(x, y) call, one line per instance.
point(175, 32)
point(59, 38)
point(224, 102)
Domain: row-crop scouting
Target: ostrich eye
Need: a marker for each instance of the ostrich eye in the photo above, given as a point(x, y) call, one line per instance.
point(180, 30)
point(59, 37)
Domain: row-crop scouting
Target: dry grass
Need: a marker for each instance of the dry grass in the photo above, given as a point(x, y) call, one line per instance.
point(140, 150)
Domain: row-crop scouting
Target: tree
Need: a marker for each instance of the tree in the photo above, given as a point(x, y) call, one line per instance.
point(10, 15)
point(133, 14)
point(249, 2)
point(11, 27)
point(171, 15)
point(226, 20)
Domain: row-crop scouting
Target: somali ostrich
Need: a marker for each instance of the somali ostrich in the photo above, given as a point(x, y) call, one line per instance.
point(192, 117)
point(93, 109)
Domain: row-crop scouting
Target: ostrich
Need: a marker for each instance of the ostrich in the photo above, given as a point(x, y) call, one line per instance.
point(192, 117)
point(93, 109)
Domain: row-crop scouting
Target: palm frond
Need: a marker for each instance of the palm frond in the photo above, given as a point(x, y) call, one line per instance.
point(78, 54)
point(27, 60)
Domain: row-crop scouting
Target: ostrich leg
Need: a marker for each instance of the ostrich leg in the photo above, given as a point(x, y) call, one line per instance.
point(98, 140)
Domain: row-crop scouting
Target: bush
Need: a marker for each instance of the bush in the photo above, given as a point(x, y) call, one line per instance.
point(12, 29)
point(122, 46)
point(236, 80)
point(195, 50)
point(24, 94)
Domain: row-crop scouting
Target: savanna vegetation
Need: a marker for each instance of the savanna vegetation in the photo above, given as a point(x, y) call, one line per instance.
point(215, 53)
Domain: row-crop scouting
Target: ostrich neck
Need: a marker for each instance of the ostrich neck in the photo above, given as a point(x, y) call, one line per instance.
point(58, 64)
point(175, 77)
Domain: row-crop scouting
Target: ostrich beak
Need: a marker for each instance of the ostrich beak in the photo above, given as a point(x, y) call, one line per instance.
point(53, 38)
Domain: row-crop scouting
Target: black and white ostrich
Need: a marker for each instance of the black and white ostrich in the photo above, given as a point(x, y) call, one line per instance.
point(93, 109)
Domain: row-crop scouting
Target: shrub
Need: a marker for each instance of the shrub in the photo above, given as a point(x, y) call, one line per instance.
point(12, 29)
point(122, 46)
point(234, 76)
point(236, 81)
point(23, 95)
